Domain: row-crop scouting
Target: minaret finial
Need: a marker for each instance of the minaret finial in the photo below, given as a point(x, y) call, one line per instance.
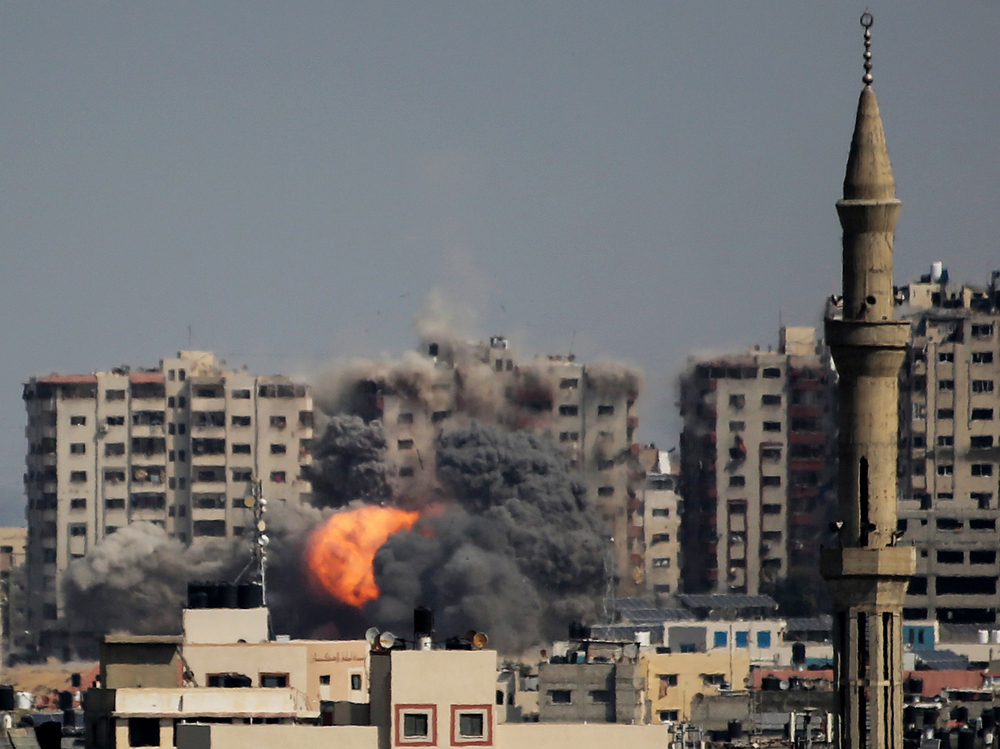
point(867, 21)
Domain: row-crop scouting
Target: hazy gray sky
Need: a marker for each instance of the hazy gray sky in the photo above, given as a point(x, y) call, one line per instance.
point(292, 178)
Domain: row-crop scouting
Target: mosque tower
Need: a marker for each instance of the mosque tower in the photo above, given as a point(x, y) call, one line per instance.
point(867, 573)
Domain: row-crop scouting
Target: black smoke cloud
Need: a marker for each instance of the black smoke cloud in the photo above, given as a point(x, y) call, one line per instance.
point(518, 554)
point(349, 463)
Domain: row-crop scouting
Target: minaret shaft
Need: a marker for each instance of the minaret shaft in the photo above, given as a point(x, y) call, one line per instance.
point(867, 575)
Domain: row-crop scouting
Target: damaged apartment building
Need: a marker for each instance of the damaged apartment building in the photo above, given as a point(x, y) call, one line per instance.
point(950, 447)
point(588, 410)
point(178, 446)
point(758, 464)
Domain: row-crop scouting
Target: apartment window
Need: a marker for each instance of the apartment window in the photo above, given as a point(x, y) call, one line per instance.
point(979, 556)
point(668, 716)
point(438, 416)
point(355, 681)
point(919, 441)
point(945, 469)
point(982, 524)
point(770, 481)
point(415, 725)
point(662, 562)
point(982, 331)
point(78, 503)
point(560, 697)
point(324, 679)
point(278, 477)
point(946, 384)
point(982, 414)
point(216, 528)
point(77, 421)
point(569, 436)
point(114, 504)
point(171, 402)
point(945, 440)
point(661, 512)
point(764, 638)
point(982, 469)
point(567, 410)
point(981, 441)
point(770, 400)
point(949, 524)
point(742, 639)
point(470, 723)
point(982, 386)
point(406, 471)
point(181, 401)
point(771, 373)
point(946, 413)
point(659, 538)
point(737, 400)
point(78, 448)
point(569, 383)
point(946, 356)
point(945, 495)
point(605, 410)
point(948, 556)
point(771, 509)
point(771, 453)
point(605, 491)
point(737, 481)
point(143, 731)
point(737, 426)
point(242, 474)
point(772, 426)
point(115, 421)
point(242, 394)
point(241, 448)
point(114, 395)
point(278, 449)
point(77, 476)
point(982, 357)
point(406, 418)
point(274, 681)
point(404, 444)
point(78, 529)
point(279, 422)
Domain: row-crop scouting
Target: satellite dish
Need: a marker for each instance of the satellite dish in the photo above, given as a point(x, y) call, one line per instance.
point(479, 639)
point(387, 640)
point(783, 684)
point(371, 635)
point(248, 501)
point(261, 526)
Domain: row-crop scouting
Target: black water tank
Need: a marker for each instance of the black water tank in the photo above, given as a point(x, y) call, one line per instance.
point(770, 684)
point(575, 631)
point(49, 735)
point(734, 730)
point(910, 715)
point(65, 700)
point(423, 621)
point(989, 719)
point(914, 685)
point(798, 653)
point(796, 683)
point(251, 596)
point(75, 680)
point(966, 739)
point(213, 592)
point(930, 717)
point(962, 714)
point(230, 596)
point(6, 697)
point(197, 596)
point(461, 643)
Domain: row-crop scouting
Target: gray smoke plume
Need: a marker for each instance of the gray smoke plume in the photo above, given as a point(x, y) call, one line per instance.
point(349, 462)
point(135, 580)
point(518, 555)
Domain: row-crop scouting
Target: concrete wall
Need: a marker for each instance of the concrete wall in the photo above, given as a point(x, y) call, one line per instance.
point(224, 736)
point(673, 680)
point(225, 625)
point(563, 736)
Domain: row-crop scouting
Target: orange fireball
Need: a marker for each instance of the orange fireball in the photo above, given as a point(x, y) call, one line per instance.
point(341, 552)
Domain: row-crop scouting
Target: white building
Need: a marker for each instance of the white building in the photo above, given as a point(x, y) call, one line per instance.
point(178, 446)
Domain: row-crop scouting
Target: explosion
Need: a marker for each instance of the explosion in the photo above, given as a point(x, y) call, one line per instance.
point(340, 553)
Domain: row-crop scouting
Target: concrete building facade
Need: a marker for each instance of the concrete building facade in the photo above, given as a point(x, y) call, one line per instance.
point(662, 508)
point(949, 463)
point(757, 464)
point(179, 446)
point(588, 410)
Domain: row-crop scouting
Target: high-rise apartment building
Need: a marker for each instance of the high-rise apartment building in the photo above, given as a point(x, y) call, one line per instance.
point(661, 529)
point(589, 410)
point(177, 446)
point(949, 462)
point(758, 461)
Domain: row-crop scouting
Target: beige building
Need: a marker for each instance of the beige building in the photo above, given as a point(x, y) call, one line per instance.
point(950, 447)
point(13, 603)
point(673, 680)
point(589, 410)
point(178, 446)
point(662, 508)
point(758, 459)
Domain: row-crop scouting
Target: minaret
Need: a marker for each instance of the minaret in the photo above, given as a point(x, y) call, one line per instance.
point(867, 574)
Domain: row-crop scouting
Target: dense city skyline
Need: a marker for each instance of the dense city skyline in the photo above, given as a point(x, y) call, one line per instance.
point(635, 183)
